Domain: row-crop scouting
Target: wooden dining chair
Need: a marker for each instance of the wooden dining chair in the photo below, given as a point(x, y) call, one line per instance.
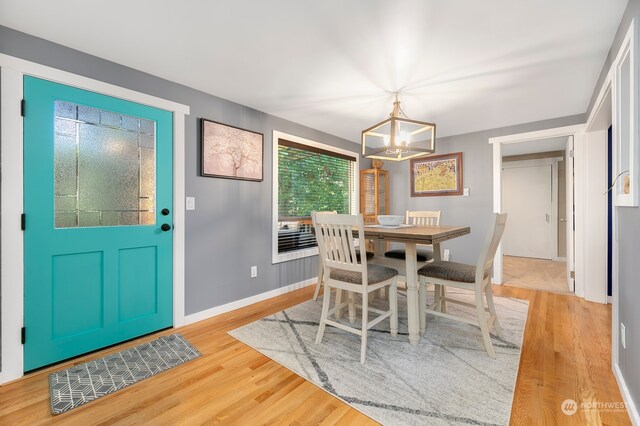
point(424, 252)
point(396, 258)
point(344, 271)
point(469, 277)
point(369, 255)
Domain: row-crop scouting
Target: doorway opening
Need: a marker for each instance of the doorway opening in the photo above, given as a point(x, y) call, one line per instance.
point(536, 196)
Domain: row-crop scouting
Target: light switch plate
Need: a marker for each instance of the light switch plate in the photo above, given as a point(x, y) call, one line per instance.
point(254, 271)
point(623, 336)
point(191, 203)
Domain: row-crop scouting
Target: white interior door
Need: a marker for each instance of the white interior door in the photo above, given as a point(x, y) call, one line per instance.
point(527, 198)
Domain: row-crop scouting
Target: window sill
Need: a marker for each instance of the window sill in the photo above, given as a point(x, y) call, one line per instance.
point(293, 255)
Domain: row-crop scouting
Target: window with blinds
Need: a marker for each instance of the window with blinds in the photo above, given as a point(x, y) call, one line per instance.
point(310, 179)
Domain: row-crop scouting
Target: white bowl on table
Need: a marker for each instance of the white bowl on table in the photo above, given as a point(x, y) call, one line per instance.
point(390, 220)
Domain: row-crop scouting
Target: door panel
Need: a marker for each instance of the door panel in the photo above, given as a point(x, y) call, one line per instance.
point(527, 200)
point(98, 267)
point(137, 283)
point(81, 275)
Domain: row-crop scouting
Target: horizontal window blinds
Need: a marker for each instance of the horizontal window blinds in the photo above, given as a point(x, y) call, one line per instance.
point(310, 179)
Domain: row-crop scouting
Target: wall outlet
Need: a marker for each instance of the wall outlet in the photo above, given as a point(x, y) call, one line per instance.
point(446, 255)
point(191, 203)
point(254, 271)
point(466, 192)
point(623, 336)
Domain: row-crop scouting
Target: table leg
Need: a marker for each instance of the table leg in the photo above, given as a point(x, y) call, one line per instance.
point(412, 294)
point(439, 294)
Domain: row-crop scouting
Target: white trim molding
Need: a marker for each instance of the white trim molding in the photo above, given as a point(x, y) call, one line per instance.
point(497, 143)
point(355, 197)
point(11, 93)
point(231, 306)
point(632, 410)
point(625, 120)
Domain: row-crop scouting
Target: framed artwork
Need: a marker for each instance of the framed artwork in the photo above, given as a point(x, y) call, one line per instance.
point(436, 175)
point(230, 152)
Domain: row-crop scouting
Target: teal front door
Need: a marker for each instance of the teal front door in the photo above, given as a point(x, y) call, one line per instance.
point(98, 218)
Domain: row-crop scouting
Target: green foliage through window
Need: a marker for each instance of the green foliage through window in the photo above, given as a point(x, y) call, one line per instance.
point(311, 181)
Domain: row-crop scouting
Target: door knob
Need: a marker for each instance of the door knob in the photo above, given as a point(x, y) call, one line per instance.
point(563, 220)
point(165, 227)
point(165, 211)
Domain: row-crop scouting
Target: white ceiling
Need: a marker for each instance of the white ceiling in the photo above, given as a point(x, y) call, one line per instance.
point(334, 64)
point(532, 147)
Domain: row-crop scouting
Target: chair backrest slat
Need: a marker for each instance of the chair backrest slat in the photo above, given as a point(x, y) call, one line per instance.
point(485, 261)
point(336, 247)
point(423, 218)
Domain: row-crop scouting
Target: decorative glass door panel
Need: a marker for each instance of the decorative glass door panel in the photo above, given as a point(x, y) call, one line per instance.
point(104, 167)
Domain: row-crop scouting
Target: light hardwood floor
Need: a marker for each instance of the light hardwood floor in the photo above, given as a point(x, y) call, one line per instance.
point(536, 274)
point(566, 354)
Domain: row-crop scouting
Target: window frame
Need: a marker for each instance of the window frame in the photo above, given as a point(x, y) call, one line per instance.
point(355, 206)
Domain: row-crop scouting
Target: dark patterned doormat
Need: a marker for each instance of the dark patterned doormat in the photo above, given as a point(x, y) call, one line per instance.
point(82, 383)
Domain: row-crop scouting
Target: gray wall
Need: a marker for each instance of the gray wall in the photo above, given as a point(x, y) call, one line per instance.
point(629, 235)
point(231, 228)
point(477, 165)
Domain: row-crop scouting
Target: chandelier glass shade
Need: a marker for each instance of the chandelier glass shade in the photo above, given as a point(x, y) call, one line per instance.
point(398, 138)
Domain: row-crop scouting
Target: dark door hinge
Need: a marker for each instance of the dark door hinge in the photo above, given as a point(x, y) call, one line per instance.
point(23, 335)
point(23, 221)
point(22, 107)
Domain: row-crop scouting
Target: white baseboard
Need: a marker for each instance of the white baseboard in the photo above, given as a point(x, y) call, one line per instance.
point(212, 312)
point(632, 410)
point(610, 300)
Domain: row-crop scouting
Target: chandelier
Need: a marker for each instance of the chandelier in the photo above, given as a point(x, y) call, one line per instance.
point(398, 138)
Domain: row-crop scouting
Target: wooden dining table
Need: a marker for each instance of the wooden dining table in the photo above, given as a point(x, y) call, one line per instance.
point(411, 235)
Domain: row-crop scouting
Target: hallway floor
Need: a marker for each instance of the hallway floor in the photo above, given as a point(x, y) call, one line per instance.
point(537, 274)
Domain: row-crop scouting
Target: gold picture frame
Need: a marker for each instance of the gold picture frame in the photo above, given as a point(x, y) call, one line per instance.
point(435, 175)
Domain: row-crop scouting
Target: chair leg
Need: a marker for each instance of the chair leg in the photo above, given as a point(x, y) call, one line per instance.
point(319, 284)
point(484, 326)
point(422, 297)
point(352, 307)
point(443, 298)
point(393, 306)
point(492, 309)
point(365, 323)
point(436, 297)
point(326, 300)
point(338, 312)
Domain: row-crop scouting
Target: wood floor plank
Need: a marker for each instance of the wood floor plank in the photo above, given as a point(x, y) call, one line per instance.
point(566, 354)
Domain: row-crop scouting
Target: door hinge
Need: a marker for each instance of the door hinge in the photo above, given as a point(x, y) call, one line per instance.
point(23, 335)
point(22, 107)
point(571, 153)
point(23, 221)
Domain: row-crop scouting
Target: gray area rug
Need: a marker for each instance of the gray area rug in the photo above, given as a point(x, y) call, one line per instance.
point(82, 383)
point(447, 379)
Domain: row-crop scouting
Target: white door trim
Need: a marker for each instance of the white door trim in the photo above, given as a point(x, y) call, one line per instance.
point(12, 71)
point(569, 200)
point(497, 143)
